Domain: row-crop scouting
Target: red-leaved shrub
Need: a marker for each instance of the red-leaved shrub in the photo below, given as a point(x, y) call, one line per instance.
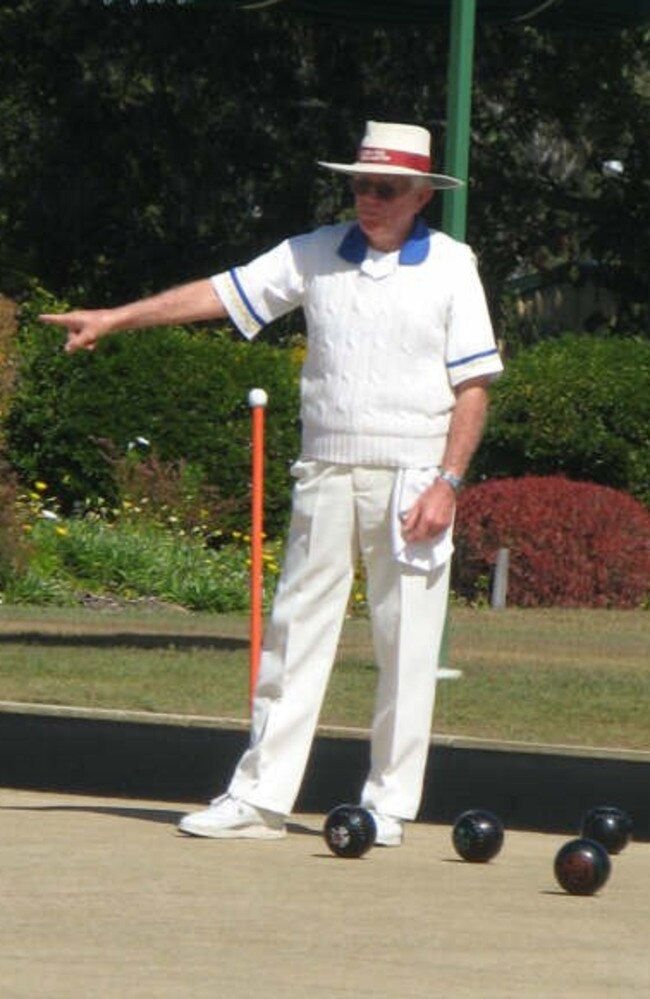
point(572, 544)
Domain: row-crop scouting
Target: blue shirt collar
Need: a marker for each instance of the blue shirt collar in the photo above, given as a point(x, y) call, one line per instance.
point(414, 250)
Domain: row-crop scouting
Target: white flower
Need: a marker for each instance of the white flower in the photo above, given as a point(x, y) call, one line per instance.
point(140, 442)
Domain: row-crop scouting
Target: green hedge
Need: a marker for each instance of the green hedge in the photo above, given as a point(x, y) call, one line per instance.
point(577, 406)
point(185, 391)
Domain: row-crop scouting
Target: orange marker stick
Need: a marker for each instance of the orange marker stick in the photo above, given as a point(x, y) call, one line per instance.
point(257, 400)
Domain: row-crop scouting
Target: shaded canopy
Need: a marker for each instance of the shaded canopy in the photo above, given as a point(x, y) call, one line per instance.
point(580, 15)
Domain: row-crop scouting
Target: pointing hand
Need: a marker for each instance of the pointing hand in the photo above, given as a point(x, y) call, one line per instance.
point(84, 327)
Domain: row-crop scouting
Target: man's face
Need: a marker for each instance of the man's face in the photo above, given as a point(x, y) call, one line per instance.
point(385, 207)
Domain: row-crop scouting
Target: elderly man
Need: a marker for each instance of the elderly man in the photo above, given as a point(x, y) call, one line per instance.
point(394, 394)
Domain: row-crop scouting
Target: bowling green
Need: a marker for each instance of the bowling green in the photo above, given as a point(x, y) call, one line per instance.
point(103, 898)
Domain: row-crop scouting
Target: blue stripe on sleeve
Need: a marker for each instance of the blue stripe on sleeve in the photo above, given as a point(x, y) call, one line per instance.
point(472, 357)
point(244, 297)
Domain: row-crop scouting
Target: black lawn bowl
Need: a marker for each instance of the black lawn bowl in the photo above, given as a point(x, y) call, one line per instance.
point(349, 831)
point(477, 835)
point(608, 825)
point(582, 866)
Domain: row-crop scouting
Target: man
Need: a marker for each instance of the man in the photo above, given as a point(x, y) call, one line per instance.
point(400, 353)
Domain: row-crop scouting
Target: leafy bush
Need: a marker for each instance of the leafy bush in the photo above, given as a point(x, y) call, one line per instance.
point(572, 544)
point(134, 557)
point(13, 550)
point(7, 359)
point(137, 551)
point(169, 493)
point(577, 406)
point(185, 391)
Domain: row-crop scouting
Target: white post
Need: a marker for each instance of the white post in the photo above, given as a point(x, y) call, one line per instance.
point(500, 579)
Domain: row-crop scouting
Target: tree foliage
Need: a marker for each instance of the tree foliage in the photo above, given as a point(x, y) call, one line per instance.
point(141, 145)
point(551, 110)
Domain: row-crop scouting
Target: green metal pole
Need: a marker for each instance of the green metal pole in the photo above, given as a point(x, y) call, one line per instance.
point(459, 108)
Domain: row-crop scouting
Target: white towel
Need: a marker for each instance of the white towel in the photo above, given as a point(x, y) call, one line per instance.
point(423, 556)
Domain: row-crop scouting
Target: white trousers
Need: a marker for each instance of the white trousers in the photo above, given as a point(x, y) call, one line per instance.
point(339, 511)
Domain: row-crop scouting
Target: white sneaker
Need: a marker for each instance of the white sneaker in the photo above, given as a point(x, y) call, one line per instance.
point(230, 818)
point(390, 831)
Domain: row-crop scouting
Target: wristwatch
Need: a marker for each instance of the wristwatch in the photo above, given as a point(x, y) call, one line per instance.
point(455, 481)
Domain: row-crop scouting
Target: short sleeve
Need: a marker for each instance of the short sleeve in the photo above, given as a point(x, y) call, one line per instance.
point(471, 348)
point(263, 290)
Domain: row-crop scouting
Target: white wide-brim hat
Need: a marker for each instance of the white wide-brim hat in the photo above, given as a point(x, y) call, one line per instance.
point(402, 150)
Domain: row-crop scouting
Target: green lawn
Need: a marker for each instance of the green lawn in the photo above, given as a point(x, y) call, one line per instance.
point(556, 676)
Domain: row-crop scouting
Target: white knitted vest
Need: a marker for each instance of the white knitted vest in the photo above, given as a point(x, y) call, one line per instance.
point(386, 342)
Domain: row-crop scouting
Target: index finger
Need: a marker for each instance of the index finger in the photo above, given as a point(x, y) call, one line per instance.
point(57, 318)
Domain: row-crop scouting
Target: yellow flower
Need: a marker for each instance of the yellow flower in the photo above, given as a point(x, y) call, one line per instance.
point(62, 531)
point(40, 486)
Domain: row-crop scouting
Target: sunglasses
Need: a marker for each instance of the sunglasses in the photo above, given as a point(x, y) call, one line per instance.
point(381, 189)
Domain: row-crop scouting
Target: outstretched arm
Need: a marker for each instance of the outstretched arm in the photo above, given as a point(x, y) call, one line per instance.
point(186, 304)
point(433, 511)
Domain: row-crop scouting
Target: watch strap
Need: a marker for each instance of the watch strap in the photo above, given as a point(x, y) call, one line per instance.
point(455, 481)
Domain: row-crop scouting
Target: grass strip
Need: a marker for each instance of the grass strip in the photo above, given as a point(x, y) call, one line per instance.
point(550, 677)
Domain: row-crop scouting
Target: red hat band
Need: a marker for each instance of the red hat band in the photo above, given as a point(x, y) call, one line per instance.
point(394, 157)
